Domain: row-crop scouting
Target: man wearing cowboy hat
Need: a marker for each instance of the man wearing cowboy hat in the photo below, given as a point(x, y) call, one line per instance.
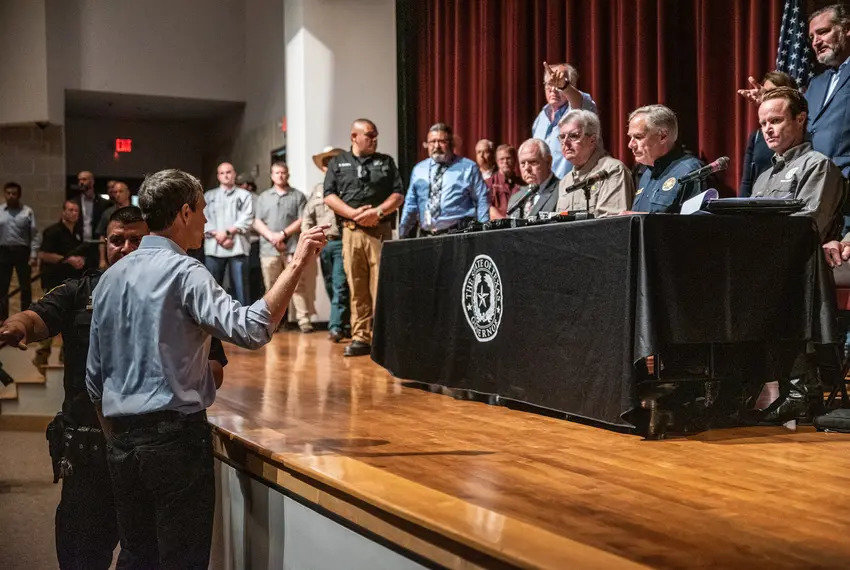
point(363, 187)
point(316, 213)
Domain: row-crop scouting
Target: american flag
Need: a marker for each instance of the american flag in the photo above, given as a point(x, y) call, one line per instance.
point(794, 55)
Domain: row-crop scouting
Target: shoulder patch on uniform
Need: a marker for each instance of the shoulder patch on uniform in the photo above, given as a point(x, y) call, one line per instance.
point(669, 183)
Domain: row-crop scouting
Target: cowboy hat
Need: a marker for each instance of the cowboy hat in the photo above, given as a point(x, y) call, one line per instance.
point(323, 157)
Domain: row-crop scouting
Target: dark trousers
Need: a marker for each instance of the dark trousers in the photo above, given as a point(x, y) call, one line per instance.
point(256, 289)
point(14, 258)
point(238, 268)
point(336, 285)
point(86, 524)
point(162, 475)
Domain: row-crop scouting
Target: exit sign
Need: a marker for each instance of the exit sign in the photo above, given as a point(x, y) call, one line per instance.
point(123, 145)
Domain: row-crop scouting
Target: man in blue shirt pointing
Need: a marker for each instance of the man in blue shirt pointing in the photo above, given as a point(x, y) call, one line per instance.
point(446, 191)
point(151, 394)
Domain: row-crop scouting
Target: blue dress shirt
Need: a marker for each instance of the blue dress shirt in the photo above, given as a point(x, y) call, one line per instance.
point(464, 195)
point(547, 130)
point(658, 187)
point(154, 312)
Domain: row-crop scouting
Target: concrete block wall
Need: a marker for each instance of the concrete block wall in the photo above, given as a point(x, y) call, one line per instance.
point(35, 158)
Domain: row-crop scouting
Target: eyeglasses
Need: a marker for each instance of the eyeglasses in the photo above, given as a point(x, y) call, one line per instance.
point(572, 137)
point(551, 87)
point(437, 141)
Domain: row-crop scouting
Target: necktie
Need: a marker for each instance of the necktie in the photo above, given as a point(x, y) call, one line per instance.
point(435, 191)
point(529, 203)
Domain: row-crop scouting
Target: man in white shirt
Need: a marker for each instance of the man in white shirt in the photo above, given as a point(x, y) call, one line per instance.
point(230, 214)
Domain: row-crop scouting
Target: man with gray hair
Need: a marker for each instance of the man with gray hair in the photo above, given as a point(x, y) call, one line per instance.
point(485, 158)
point(446, 191)
point(559, 88)
point(540, 193)
point(653, 139)
point(151, 394)
point(581, 144)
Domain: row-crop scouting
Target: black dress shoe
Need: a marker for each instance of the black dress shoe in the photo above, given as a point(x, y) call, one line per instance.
point(357, 348)
point(335, 335)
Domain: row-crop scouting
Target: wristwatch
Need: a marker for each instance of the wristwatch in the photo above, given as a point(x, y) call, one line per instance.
point(380, 213)
point(228, 234)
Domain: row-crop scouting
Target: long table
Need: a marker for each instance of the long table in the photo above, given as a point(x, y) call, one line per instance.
point(559, 316)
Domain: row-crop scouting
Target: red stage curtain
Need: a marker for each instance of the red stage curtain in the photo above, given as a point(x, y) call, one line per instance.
point(478, 66)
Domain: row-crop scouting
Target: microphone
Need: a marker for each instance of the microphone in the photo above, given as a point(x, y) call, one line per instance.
point(532, 189)
point(718, 165)
point(589, 181)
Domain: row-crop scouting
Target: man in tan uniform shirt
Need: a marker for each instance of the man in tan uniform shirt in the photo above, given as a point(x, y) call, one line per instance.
point(581, 144)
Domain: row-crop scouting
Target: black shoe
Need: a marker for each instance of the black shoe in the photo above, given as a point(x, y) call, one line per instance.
point(335, 335)
point(346, 333)
point(357, 348)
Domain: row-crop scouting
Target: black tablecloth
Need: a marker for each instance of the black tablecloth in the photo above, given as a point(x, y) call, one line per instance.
point(582, 302)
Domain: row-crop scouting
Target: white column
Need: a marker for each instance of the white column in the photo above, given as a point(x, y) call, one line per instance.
point(340, 65)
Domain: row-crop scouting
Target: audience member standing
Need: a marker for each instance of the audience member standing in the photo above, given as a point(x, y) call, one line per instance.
point(152, 394)
point(504, 183)
point(61, 257)
point(19, 243)
point(316, 212)
point(363, 186)
point(559, 87)
point(446, 191)
point(484, 151)
point(230, 214)
point(91, 207)
point(255, 272)
point(278, 221)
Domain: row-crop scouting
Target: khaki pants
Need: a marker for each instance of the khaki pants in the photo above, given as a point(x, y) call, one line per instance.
point(361, 258)
point(303, 298)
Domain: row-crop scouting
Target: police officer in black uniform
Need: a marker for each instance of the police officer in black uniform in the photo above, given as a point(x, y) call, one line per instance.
point(86, 523)
point(363, 187)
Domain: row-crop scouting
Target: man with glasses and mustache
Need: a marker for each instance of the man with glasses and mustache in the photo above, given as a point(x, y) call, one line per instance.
point(559, 87)
point(581, 144)
point(446, 190)
point(86, 522)
point(363, 187)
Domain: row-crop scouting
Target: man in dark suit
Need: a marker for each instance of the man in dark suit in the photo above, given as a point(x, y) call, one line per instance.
point(829, 93)
point(92, 207)
point(535, 167)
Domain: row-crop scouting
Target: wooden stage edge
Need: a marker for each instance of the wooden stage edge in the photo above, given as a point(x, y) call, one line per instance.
point(462, 484)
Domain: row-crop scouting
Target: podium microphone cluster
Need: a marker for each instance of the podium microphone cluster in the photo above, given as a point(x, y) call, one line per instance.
point(718, 165)
point(589, 181)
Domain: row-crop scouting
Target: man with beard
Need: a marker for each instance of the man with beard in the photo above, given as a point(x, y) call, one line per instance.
point(446, 191)
point(828, 95)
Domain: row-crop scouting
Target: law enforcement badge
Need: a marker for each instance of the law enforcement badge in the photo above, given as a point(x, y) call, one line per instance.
point(639, 192)
point(669, 183)
point(481, 298)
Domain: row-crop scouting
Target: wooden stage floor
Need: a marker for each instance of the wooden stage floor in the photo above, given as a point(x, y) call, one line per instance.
point(535, 491)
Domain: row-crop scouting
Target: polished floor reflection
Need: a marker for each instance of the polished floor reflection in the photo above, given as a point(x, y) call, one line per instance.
point(517, 482)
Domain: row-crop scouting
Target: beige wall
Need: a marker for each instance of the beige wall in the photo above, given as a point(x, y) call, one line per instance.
point(34, 158)
point(23, 62)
